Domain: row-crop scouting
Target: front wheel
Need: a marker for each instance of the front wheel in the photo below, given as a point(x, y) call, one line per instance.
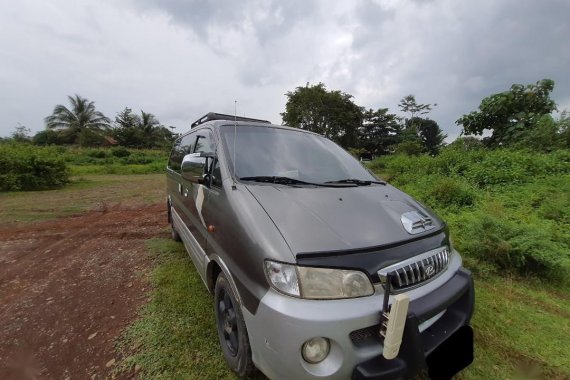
point(231, 329)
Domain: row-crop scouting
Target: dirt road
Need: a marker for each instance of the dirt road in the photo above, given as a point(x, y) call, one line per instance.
point(68, 287)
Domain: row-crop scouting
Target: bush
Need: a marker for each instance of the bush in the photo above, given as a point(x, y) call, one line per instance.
point(47, 137)
point(97, 153)
point(120, 152)
point(509, 208)
point(25, 167)
point(514, 246)
point(451, 192)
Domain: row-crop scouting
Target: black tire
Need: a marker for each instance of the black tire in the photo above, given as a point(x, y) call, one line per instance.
point(232, 331)
point(173, 233)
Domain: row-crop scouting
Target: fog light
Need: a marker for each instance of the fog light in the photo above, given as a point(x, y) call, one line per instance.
point(316, 350)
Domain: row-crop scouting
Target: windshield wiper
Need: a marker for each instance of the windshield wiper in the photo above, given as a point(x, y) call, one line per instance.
point(278, 179)
point(293, 181)
point(358, 182)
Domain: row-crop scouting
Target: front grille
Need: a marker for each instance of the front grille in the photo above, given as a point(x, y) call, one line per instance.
point(412, 272)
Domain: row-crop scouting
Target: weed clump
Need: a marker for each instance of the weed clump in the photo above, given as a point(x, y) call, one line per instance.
point(508, 208)
point(24, 167)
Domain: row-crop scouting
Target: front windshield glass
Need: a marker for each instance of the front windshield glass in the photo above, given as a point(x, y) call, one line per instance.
point(262, 151)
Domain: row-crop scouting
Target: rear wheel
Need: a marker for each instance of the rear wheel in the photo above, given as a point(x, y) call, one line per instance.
point(173, 233)
point(231, 329)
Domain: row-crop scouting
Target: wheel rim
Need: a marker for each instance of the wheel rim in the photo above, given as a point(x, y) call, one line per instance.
point(228, 322)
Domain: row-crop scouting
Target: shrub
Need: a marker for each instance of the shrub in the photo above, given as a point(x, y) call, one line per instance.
point(47, 137)
point(120, 152)
point(513, 246)
point(25, 167)
point(97, 153)
point(508, 208)
point(451, 192)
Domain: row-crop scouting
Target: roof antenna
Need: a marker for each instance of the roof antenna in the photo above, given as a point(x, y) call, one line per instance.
point(234, 187)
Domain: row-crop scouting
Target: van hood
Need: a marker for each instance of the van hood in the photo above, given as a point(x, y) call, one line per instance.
point(336, 219)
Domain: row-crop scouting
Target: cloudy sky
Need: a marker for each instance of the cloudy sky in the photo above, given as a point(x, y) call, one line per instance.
point(179, 59)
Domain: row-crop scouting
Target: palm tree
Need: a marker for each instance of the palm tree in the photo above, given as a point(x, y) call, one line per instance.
point(148, 125)
point(82, 118)
point(147, 122)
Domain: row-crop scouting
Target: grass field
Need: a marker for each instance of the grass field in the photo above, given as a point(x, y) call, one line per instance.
point(86, 192)
point(521, 329)
point(521, 324)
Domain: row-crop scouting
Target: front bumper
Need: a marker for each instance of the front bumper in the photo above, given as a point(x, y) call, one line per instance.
point(282, 324)
point(444, 348)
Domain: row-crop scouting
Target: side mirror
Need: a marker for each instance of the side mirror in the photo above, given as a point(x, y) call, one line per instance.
point(192, 168)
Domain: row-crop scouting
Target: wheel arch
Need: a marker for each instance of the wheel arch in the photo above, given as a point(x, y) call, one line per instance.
point(216, 266)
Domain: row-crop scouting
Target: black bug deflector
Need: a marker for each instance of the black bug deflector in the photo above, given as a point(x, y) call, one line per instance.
point(444, 348)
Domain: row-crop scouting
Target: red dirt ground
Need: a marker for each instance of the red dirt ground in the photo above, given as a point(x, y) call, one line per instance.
point(68, 287)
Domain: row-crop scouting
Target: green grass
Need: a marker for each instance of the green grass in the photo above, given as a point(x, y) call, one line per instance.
point(175, 336)
point(85, 193)
point(115, 160)
point(509, 216)
point(510, 208)
point(124, 169)
point(520, 327)
point(26, 161)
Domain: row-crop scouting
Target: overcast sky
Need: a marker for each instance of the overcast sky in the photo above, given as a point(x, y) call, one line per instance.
point(180, 59)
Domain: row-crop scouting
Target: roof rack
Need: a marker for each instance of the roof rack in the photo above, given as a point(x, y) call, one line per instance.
point(220, 116)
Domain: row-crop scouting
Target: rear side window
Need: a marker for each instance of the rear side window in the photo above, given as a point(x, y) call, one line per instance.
point(181, 148)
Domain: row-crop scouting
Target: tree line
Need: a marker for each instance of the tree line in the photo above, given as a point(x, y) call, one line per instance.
point(82, 124)
point(520, 117)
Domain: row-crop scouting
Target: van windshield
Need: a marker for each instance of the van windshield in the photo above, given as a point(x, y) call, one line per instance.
point(274, 152)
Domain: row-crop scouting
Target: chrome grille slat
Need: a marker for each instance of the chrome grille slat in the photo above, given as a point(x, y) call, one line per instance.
point(419, 271)
point(399, 278)
point(411, 273)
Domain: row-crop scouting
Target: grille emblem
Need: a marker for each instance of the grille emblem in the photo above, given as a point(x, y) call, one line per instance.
point(429, 270)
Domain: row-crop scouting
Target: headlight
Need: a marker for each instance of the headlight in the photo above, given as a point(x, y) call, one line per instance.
point(318, 283)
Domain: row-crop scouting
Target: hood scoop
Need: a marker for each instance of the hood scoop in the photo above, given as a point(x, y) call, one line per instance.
point(416, 222)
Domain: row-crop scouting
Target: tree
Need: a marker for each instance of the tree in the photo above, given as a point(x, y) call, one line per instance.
point(430, 135)
point(148, 124)
point(467, 143)
point(126, 119)
point(379, 131)
point(80, 123)
point(564, 129)
point(47, 137)
point(511, 114)
point(21, 134)
point(410, 143)
point(142, 131)
point(126, 130)
point(330, 113)
point(409, 105)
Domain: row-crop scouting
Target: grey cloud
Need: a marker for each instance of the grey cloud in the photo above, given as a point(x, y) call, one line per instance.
point(266, 19)
point(455, 54)
point(179, 59)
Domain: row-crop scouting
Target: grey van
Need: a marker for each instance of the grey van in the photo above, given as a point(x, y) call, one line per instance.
point(318, 268)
